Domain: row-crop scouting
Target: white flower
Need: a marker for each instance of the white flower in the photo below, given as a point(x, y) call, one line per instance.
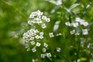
point(48, 55)
point(36, 19)
point(75, 24)
point(82, 22)
point(41, 33)
point(77, 33)
point(41, 37)
point(31, 38)
point(43, 55)
point(34, 60)
point(45, 45)
point(36, 13)
point(85, 31)
point(79, 20)
point(47, 20)
point(68, 24)
point(34, 49)
point(37, 37)
point(59, 34)
point(51, 34)
point(32, 42)
point(30, 22)
point(44, 17)
point(39, 22)
point(44, 50)
point(38, 44)
point(43, 25)
point(72, 32)
point(39, 12)
point(58, 49)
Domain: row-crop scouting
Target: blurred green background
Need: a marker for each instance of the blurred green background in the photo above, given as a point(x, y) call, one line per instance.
point(13, 22)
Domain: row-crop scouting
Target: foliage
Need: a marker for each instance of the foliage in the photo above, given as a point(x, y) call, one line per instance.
point(14, 15)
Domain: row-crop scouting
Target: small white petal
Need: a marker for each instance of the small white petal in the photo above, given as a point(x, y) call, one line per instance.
point(38, 44)
point(72, 32)
point(75, 24)
point(44, 17)
point(44, 50)
point(48, 55)
point(45, 45)
point(48, 20)
point(37, 37)
point(51, 35)
point(43, 25)
point(59, 34)
point(41, 33)
point(34, 49)
point(33, 60)
point(85, 31)
point(32, 42)
point(58, 49)
point(43, 55)
point(68, 24)
point(77, 33)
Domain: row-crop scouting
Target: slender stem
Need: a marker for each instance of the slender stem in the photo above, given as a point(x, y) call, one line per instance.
point(78, 48)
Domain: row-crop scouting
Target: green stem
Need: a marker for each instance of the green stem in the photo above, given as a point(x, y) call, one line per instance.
point(78, 48)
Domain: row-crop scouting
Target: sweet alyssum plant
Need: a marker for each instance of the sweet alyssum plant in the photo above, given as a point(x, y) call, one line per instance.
point(74, 36)
point(34, 36)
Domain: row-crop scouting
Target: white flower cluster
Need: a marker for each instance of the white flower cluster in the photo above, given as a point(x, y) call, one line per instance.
point(37, 17)
point(78, 22)
point(34, 36)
